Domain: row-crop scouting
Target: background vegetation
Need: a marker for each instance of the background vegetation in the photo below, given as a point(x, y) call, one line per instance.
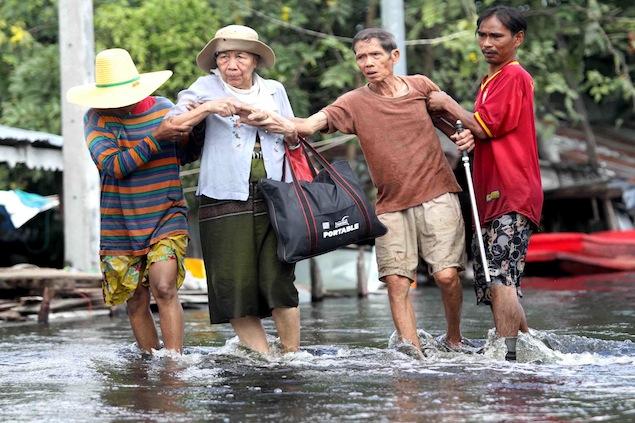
point(577, 49)
point(581, 54)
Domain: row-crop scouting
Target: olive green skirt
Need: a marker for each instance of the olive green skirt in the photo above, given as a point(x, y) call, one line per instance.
point(244, 275)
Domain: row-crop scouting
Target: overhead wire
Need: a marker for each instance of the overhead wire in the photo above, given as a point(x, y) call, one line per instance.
point(422, 41)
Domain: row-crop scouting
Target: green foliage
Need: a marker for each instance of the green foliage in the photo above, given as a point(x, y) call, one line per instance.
point(30, 104)
point(159, 34)
point(574, 48)
point(29, 65)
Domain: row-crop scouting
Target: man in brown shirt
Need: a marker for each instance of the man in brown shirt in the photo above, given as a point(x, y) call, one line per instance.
point(416, 189)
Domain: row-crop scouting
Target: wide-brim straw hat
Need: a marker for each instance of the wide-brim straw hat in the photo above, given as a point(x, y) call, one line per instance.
point(117, 82)
point(235, 37)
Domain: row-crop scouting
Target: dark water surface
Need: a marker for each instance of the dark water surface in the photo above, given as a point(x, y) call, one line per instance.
point(90, 370)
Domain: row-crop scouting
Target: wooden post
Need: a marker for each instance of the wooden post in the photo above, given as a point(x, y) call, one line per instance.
point(317, 287)
point(362, 276)
point(45, 306)
point(609, 211)
point(595, 208)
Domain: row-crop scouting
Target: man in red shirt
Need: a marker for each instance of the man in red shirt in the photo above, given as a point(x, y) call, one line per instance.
point(506, 170)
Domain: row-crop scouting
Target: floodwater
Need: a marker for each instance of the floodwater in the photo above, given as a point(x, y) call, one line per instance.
point(89, 370)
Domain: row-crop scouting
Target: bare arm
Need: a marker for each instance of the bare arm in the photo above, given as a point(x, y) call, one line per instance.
point(439, 101)
point(289, 127)
point(312, 124)
point(223, 107)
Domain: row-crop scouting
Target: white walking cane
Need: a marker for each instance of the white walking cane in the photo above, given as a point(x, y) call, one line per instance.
point(477, 222)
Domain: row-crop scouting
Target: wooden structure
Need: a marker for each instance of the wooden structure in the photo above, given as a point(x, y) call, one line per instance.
point(45, 283)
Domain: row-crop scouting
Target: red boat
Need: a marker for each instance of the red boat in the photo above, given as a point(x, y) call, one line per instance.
point(613, 281)
point(580, 253)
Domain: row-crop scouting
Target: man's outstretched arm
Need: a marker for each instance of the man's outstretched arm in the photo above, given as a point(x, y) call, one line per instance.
point(289, 127)
point(312, 124)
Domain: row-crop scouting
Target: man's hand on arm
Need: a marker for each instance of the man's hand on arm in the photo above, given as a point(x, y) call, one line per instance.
point(440, 101)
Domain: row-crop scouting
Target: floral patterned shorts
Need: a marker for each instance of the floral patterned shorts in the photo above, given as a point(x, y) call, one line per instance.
point(122, 274)
point(506, 239)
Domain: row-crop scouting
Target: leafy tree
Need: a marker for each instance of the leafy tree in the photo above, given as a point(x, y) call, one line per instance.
point(29, 65)
point(33, 93)
point(578, 51)
point(159, 34)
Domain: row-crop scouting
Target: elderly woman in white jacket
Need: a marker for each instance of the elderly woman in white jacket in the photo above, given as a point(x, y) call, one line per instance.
point(246, 281)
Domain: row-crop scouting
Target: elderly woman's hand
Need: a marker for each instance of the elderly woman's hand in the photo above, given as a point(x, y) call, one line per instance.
point(224, 107)
point(271, 122)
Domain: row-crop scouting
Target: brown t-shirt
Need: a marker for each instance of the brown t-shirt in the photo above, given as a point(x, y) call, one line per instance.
point(404, 154)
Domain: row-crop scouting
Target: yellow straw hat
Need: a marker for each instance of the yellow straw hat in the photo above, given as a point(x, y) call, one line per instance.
point(117, 82)
point(235, 37)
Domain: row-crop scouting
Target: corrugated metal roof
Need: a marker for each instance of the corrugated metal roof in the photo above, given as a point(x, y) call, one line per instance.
point(13, 136)
point(616, 152)
point(38, 150)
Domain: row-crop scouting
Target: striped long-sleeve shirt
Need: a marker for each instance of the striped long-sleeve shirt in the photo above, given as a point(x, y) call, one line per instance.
point(141, 196)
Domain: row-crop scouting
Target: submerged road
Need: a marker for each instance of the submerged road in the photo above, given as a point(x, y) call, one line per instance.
point(90, 371)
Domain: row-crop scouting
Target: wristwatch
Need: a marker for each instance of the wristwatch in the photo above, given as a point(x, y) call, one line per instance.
point(295, 147)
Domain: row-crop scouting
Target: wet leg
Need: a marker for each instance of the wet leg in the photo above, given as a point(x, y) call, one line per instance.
point(141, 321)
point(508, 313)
point(452, 296)
point(401, 308)
point(163, 276)
point(523, 319)
point(251, 333)
point(288, 325)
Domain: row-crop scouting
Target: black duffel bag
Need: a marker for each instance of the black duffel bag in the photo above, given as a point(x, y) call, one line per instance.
point(312, 218)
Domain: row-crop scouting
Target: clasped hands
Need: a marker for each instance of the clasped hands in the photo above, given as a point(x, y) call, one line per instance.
point(270, 121)
point(249, 115)
point(176, 128)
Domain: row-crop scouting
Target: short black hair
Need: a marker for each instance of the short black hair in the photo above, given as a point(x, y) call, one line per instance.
point(511, 17)
point(385, 38)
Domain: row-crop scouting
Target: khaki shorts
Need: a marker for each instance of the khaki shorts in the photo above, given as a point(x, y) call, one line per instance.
point(433, 230)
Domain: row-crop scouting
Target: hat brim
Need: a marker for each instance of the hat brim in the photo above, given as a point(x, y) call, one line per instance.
point(206, 59)
point(90, 95)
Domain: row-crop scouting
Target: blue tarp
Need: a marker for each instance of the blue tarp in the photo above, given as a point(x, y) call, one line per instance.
point(17, 207)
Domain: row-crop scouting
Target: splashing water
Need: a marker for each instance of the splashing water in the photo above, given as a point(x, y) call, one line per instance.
point(351, 366)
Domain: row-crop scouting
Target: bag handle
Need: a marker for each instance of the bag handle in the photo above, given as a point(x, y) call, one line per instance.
point(305, 145)
point(305, 207)
point(287, 160)
point(336, 177)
